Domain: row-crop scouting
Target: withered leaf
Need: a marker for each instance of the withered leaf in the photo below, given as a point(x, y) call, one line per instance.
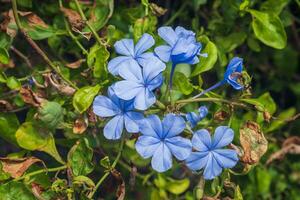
point(11, 64)
point(17, 166)
point(37, 190)
point(253, 142)
point(7, 23)
point(157, 10)
point(30, 97)
point(33, 20)
point(79, 126)
point(62, 88)
point(76, 64)
point(221, 115)
point(290, 146)
point(74, 18)
point(120, 193)
point(5, 106)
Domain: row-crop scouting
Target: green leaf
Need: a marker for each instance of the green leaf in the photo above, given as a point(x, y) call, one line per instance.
point(232, 41)
point(31, 138)
point(182, 83)
point(274, 6)
point(206, 63)
point(15, 190)
point(9, 124)
point(25, 3)
point(268, 29)
point(13, 83)
point(4, 56)
point(177, 186)
point(237, 193)
point(280, 119)
point(264, 179)
point(253, 44)
point(3, 175)
point(40, 32)
point(84, 97)
point(105, 162)
point(51, 114)
point(2, 77)
point(97, 59)
point(80, 180)
point(144, 25)
point(267, 101)
point(80, 158)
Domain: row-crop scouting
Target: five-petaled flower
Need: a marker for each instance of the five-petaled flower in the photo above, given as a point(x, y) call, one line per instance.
point(122, 112)
point(194, 118)
point(181, 47)
point(209, 155)
point(140, 82)
point(160, 141)
point(129, 52)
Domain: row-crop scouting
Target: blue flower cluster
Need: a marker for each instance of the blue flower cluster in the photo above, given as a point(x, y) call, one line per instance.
point(141, 73)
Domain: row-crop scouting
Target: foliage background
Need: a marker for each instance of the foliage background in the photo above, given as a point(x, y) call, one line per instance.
point(270, 48)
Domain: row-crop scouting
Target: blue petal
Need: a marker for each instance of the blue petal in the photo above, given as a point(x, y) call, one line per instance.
point(151, 126)
point(192, 118)
point(197, 160)
point(182, 32)
point(114, 64)
point(127, 90)
point(131, 71)
point(212, 168)
point(195, 60)
point(201, 140)
point(163, 52)
point(180, 147)
point(125, 47)
point(162, 158)
point(114, 128)
point(155, 82)
point(115, 99)
point(168, 35)
point(146, 146)
point(104, 107)
point(227, 158)
point(234, 84)
point(144, 99)
point(222, 137)
point(132, 120)
point(203, 111)
point(144, 58)
point(144, 43)
point(235, 65)
point(153, 67)
point(172, 125)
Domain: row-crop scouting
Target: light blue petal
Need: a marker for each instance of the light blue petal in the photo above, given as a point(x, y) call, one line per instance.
point(131, 71)
point(180, 147)
point(197, 160)
point(212, 168)
point(104, 107)
point(182, 32)
point(201, 140)
point(155, 82)
point(163, 52)
point(143, 58)
point(172, 125)
point(146, 146)
point(195, 60)
point(222, 137)
point(162, 158)
point(144, 99)
point(114, 64)
point(114, 128)
point(125, 47)
point(203, 111)
point(192, 118)
point(234, 84)
point(127, 90)
point(168, 35)
point(153, 67)
point(182, 47)
point(151, 126)
point(144, 43)
point(227, 158)
point(132, 120)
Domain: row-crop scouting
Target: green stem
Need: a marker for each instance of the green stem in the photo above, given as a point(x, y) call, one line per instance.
point(41, 171)
point(36, 47)
point(87, 23)
point(108, 172)
point(160, 105)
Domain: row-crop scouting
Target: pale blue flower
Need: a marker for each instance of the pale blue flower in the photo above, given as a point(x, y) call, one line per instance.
point(160, 141)
point(122, 112)
point(209, 154)
point(194, 118)
point(129, 52)
point(140, 82)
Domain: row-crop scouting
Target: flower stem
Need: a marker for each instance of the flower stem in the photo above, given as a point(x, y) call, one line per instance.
point(108, 172)
point(209, 89)
point(160, 105)
point(199, 189)
point(87, 23)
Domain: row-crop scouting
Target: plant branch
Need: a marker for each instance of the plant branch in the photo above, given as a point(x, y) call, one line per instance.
point(21, 55)
point(36, 47)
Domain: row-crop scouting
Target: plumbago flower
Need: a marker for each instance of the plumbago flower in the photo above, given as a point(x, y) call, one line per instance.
point(131, 53)
point(194, 118)
point(209, 155)
point(231, 75)
point(122, 112)
point(181, 47)
point(140, 82)
point(160, 141)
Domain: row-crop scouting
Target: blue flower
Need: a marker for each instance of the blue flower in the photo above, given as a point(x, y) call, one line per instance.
point(209, 155)
point(181, 47)
point(160, 141)
point(231, 75)
point(122, 113)
point(193, 118)
point(129, 52)
point(140, 82)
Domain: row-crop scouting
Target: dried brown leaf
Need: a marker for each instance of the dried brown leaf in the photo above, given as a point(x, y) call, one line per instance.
point(76, 64)
point(79, 126)
point(253, 142)
point(11, 64)
point(221, 115)
point(157, 10)
point(33, 19)
point(37, 190)
point(7, 23)
point(5, 106)
point(62, 88)
point(74, 18)
point(30, 97)
point(17, 166)
point(120, 193)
